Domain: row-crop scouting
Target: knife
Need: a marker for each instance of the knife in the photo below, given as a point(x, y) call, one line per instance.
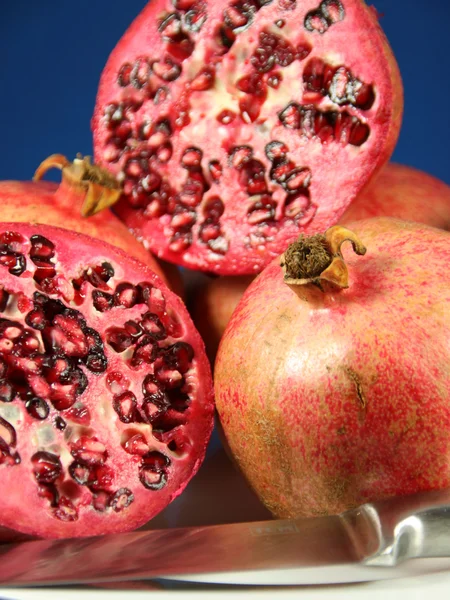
point(374, 541)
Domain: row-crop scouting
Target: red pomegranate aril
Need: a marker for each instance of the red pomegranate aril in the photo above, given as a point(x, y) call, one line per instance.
point(121, 500)
point(191, 158)
point(145, 351)
point(226, 116)
point(125, 406)
point(89, 451)
point(59, 423)
point(119, 339)
point(37, 408)
point(204, 80)
point(81, 473)
point(150, 385)
point(65, 510)
point(79, 413)
point(47, 467)
point(315, 21)
point(102, 301)
point(41, 248)
point(136, 445)
point(154, 406)
point(166, 69)
point(125, 295)
point(170, 27)
point(179, 356)
point(332, 10)
point(153, 326)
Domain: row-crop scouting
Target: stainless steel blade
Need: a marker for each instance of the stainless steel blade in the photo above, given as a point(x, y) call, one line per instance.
point(360, 545)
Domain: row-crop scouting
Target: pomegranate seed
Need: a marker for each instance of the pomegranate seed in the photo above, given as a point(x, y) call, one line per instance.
point(276, 150)
point(7, 392)
point(150, 385)
point(154, 406)
point(194, 19)
point(140, 73)
point(49, 493)
point(204, 80)
point(41, 248)
point(179, 356)
point(226, 116)
point(89, 450)
point(78, 414)
point(164, 152)
point(96, 362)
point(103, 478)
point(183, 4)
point(240, 155)
point(299, 178)
point(80, 473)
point(152, 473)
point(125, 295)
point(124, 77)
point(275, 80)
point(362, 96)
point(136, 445)
point(65, 510)
point(359, 134)
point(47, 467)
point(170, 27)
point(281, 170)
point(290, 116)
point(59, 423)
point(303, 50)
point(100, 500)
point(153, 326)
point(101, 301)
point(145, 351)
point(332, 10)
point(167, 69)
point(133, 328)
point(118, 339)
point(37, 408)
point(121, 499)
point(191, 158)
point(161, 94)
point(262, 211)
point(13, 241)
point(316, 21)
point(180, 241)
point(125, 406)
point(215, 169)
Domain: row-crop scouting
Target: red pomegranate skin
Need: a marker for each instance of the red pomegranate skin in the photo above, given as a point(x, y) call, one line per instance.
point(240, 221)
point(332, 399)
point(179, 440)
point(403, 192)
point(60, 205)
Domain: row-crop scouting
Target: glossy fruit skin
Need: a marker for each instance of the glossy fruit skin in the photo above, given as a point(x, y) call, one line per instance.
point(343, 396)
point(338, 173)
point(60, 205)
point(397, 191)
point(22, 509)
point(405, 193)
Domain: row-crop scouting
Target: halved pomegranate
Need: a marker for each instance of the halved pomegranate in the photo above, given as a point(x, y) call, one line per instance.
point(235, 125)
point(105, 391)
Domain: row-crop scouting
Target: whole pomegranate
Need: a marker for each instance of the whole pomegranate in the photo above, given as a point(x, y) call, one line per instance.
point(403, 192)
point(235, 125)
point(342, 394)
point(84, 189)
point(106, 400)
point(397, 191)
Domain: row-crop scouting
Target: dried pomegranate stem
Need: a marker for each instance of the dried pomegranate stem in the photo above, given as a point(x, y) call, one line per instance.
point(101, 188)
point(318, 258)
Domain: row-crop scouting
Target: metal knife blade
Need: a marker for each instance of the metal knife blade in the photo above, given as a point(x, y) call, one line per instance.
point(374, 541)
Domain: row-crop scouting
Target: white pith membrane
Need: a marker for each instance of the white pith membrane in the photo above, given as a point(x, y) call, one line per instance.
point(91, 418)
point(193, 117)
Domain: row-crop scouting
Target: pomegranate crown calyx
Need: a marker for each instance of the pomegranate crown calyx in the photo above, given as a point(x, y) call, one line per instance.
point(318, 258)
point(101, 188)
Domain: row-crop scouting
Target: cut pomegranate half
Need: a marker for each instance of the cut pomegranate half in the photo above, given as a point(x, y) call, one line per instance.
point(234, 126)
point(106, 401)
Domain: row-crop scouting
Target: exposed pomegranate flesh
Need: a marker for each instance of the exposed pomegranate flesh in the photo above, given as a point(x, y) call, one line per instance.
point(195, 97)
point(105, 408)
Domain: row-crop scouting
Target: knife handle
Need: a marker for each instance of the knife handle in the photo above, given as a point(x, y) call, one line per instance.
point(391, 531)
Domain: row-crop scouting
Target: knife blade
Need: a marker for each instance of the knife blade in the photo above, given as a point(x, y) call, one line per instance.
point(374, 541)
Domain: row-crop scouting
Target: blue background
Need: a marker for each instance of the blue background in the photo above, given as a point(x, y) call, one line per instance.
point(52, 53)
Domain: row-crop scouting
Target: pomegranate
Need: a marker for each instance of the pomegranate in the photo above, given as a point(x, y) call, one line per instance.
point(397, 191)
point(105, 390)
point(403, 192)
point(85, 189)
point(343, 394)
point(235, 125)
